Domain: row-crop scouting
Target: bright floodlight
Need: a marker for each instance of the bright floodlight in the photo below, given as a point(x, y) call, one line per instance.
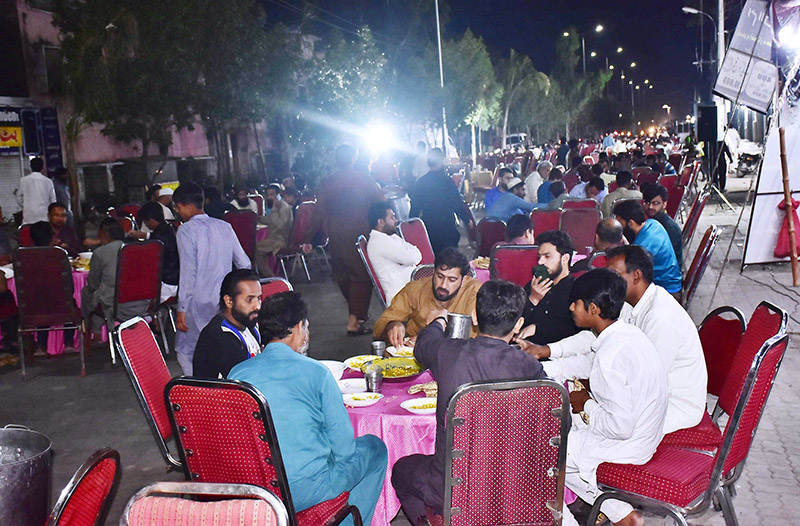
point(633, 64)
point(379, 137)
point(620, 115)
point(789, 37)
point(646, 81)
point(598, 28)
point(593, 54)
point(690, 10)
point(630, 82)
point(650, 86)
point(622, 76)
point(565, 33)
point(637, 86)
point(619, 49)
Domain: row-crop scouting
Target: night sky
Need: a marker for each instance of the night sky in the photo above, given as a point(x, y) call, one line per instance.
point(656, 35)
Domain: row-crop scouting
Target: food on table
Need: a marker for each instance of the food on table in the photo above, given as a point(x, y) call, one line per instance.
point(428, 405)
point(398, 367)
point(481, 263)
point(363, 397)
point(357, 362)
point(402, 351)
point(80, 263)
point(431, 389)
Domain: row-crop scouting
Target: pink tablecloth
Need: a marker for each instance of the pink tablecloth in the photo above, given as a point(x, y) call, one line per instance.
point(481, 274)
point(403, 433)
point(262, 233)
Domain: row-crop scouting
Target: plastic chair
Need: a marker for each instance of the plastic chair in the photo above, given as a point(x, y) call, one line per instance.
point(361, 246)
point(506, 448)
point(581, 224)
point(88, 494)
point(414, 232)
point(545, 220)
point(699, 264)
point(678, 481)
point(149, 376)
point(138, 279)
point(490, 232)
point(243, 505)
point(45, 296)
point(25, 236)
point(259, 199)
point(720, 332)
point(300, 228)
point(514, 263)
point(244, 226)
point(694, 217)
point(674, 200)
point(272, 286)
point(580, 203)
point(206, 415)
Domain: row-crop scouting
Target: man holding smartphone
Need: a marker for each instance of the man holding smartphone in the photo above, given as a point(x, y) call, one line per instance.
point(547, 315)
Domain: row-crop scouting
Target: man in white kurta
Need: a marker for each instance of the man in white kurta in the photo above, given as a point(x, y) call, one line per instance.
point(392, 257)
point(35, 193)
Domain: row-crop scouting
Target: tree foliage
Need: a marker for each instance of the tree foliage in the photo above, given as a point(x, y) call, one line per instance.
point(520, 79)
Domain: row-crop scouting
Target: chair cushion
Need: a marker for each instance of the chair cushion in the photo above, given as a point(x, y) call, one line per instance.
point(673, 475)
point(434, 518)
point(706, 436)
point(324, 512)
point(167, 511)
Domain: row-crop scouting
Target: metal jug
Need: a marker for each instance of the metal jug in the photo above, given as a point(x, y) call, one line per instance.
point(458, 326)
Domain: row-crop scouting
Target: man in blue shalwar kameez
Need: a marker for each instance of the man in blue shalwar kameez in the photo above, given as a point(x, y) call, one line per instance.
point(321, 456)
point(207, 248)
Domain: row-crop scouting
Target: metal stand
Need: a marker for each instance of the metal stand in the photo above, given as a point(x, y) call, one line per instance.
point(720, 195)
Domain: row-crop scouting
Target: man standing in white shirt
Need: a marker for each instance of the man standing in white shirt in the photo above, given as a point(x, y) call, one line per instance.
point(35, 194)
point(622, 414)
point(392, 258)
point(535, 179)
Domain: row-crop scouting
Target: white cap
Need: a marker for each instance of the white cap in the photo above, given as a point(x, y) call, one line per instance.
point(165, 191)
point(515, 181)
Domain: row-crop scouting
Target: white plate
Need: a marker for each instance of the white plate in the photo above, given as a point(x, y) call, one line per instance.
point(404, 351)
point(336, 368)
point(353, 385)
point(413, 406)
point(356, 362)
point(361, 399)
point(85, 255)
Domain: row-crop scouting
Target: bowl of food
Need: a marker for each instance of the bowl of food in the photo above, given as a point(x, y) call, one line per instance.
point(402, 351)
point(420, 406)
point(356, 363)
point(397, 368)
point(84, 255)
point(336, 368)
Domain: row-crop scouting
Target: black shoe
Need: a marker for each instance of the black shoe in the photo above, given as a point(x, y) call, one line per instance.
point(361, 331)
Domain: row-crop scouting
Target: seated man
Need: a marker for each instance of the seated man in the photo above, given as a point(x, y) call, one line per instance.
point(625, 190)
point(536, 179)
point(9, 318)
point(419, 479)
point(607, 235)
point(559, 193)
point(214, 205)
point(165, 200)
point(101, 283)
point(547, 315)
point(232, 335)
point(622, 414)
point(504, 175)
point(661, 159)
point(651, 236)
point(511, 202)
point(321, 457)
point(543, 193)
point(392, 258)
point(242, 201)
point(596, 188)
point(64, 236)
point(449, 288)
point(584, 172)
point(278, 217)
point(655, 207)
point(151, 215)
point(519, 230)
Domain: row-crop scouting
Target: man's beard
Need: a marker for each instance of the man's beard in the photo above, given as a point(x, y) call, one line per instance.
point(441, 294)
point(270, 202)
point(557, 273)
point(243, 202)
point(304, 348)
point(244, 318)
point(389, 230)
point(629, 233)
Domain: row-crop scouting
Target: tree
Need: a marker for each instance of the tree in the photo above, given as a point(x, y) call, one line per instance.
point(517, 75)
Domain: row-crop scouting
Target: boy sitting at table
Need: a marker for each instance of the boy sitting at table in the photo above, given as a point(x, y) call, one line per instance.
point(418, 480)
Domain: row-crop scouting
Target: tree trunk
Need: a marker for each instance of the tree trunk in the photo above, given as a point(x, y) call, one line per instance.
point(72, 130)
point(480, 144)
point(260, 153)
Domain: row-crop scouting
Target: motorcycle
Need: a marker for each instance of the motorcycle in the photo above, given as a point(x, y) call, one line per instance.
point(749, 158)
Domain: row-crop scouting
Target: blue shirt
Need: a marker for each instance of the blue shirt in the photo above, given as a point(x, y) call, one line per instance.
point(314, 431)
point(666, 271)
point(507, 205)
point(491, 196)
point(543, 195)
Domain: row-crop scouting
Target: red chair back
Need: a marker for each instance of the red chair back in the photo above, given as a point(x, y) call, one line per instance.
point(720, 335)
point(244, 226)
point(127, 223)
point(699, 263)
point(302, 223)
point(414, 232)
point(580, 203)
point(570, 180)
point(490, 232)
point(149, 375)
point(272, 286)
point(636, 172)
point(259, 199)
point(422, 272)
point(361, 246)
point(45, 292)
point(612, 186)
point(694, 217)
point(675, 160)
point(510, 438)
point(598, 260)
point(139, 274)
point(580, 224)
point(514, 263)
point(472, 231)
point(545, 220)
point(646, 177)
point(675, 199)
point(25, 236)
point(668, 181)
point(86, 498)
point(112, 212)
point(130, 209)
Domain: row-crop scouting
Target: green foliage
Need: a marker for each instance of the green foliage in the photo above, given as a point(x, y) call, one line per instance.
point(520, 79)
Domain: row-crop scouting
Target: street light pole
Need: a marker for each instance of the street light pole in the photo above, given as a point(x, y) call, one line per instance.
point(583, 52)
point(720, 33)
point(441, 78)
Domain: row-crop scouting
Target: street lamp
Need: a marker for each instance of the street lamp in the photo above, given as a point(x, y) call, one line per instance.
point(633, 64)
point(619, 49)
point(566, 33)
point(592, 54)
point(720, 42)
point(668, 108)
point(597, 29)
point(646, 81)
point(611, 66)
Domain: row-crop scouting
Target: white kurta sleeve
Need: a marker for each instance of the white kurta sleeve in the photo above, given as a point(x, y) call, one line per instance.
point(613, 416)
point(576, 344)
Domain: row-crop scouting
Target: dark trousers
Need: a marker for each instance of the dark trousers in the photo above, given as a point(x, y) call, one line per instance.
point(358, 295)
point(8, 327)
point(418, 485)
point(69, 338)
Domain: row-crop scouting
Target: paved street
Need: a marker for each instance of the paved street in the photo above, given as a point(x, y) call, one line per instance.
point(84, 414)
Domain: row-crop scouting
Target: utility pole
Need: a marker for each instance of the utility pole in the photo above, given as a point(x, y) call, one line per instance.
point(720, 33)
point(441, 78)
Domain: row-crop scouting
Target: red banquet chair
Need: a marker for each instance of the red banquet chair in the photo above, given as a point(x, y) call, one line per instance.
point(694, 217)
point(598, 260)
point(612, 186)
point(361, 246)
point(130, 209)
point(674, 200)
point(580, 224)
point(506, 447)
point(88, 494)
point(149, 376)
point(165, 504)
point(138, 279)
point(680, 481)
point(514, 263)
point(646, 177)
point(414, 232)
point(675, 159)
point(426, 271)
point(127, 223)
point(206, 415)
point(570, 180)
point(259, 199)
point(25, 236)
point(300, 228)
point(720, 334)
point(244, 224)
point(699, 264)
point(490, 232)
point(45, 296)
point(573, 202)
point(545, 220)
point(668, 181)
point(272, 286)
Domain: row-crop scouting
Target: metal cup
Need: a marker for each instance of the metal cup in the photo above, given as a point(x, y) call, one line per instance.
point(374, 377)
point(379, 348)
point(459, 326)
